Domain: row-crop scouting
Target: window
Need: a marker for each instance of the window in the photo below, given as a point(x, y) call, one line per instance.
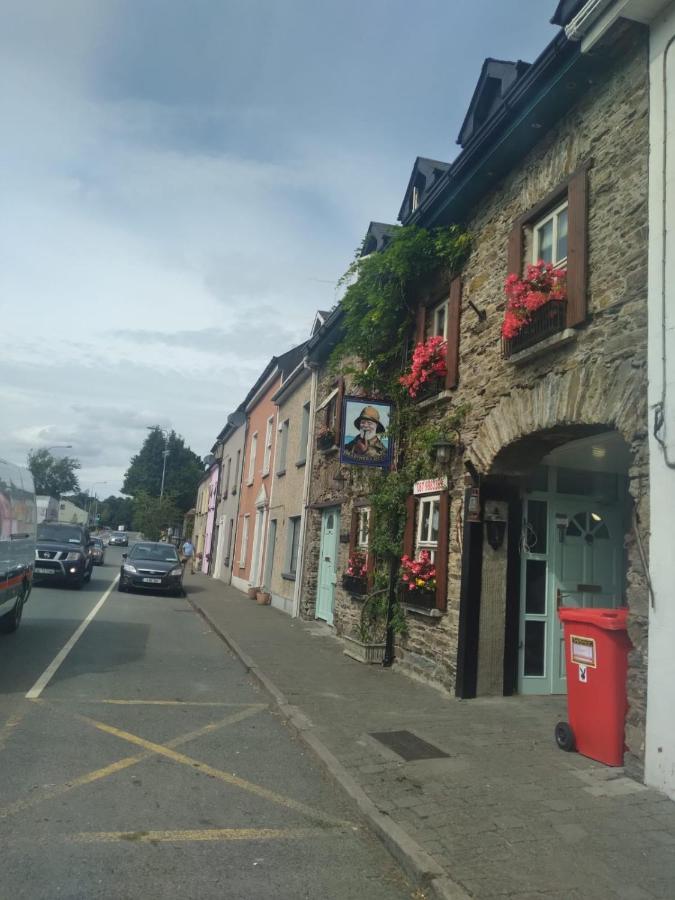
point(282, 447)
point(304, 435)
point(415, 199)
point(437, 321)
point(362, 527)
point(549, 237)
point(235, 482)
point(331, 411)
point(243, 550)
point(226, 479)
point(428, 517)
point(230, 527)
point(293, 544)
point(252, 455)
point(267, 458)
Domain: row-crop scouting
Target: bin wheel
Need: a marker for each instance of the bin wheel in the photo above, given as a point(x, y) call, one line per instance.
point(564, 737)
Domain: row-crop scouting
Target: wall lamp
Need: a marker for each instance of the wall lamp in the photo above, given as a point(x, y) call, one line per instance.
point(443, 449)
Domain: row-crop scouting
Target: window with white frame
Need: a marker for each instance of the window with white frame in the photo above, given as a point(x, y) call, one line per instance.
point(226, 479)
point(230, 528)
point(362, 527)
point(282, 447)
point(267, 458)
point(437, 321)
point(253, 450)
point(235, 481)
point(428, 518)
point(293, 545)
point(243, 550)
point(549, 237)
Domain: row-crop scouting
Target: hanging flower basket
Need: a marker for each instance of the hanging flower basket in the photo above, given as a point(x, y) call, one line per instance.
point(534, 305)
point(325, 439)
point(429, 364)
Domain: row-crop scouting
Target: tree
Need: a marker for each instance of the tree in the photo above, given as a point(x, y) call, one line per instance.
point(184, 469)
point(52, 476)
point(152, 515)
point(114, 511)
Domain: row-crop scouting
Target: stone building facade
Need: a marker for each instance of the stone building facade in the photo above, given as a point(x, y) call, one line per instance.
point(558, 422)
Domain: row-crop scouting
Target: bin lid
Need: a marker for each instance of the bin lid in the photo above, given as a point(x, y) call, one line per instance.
point(608, 619)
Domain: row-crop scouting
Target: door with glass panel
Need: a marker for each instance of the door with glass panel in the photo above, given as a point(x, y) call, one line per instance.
point(571, 555)
point(327, 575)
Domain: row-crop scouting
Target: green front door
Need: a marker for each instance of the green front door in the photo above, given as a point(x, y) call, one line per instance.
point(325, 590)
point(571, 555)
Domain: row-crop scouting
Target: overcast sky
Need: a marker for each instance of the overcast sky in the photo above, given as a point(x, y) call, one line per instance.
point(184, 181)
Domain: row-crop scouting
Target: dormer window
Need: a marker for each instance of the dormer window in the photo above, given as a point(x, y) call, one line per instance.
point(550, 237)
point(415, 202)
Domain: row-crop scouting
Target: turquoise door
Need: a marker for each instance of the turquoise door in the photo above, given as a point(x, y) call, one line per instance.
point(572, 555)
point(325, 591)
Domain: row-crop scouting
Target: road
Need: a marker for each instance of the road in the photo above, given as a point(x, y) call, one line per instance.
point(149, 765)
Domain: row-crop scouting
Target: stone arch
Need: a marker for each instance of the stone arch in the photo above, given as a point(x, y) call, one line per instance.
point(565, 405)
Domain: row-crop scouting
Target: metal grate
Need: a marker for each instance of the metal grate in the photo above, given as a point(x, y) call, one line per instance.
point(408, 746)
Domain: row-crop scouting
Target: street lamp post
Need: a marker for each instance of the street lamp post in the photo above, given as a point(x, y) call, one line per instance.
point(165, 453)
point(95, 484)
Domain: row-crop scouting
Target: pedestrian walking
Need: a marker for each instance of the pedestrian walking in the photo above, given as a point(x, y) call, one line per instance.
point(188, 552)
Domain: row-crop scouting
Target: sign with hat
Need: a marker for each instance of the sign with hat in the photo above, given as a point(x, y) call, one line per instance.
point(365, 439)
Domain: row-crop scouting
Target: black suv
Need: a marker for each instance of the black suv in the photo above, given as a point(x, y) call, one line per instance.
point(63, 553)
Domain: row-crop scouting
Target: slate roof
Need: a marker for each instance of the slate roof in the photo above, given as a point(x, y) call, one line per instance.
point(497, 77)
point(566, 11)
point(425, 173)
point(377, 237)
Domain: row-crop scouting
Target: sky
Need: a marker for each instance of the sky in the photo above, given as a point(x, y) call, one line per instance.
point(184, 182)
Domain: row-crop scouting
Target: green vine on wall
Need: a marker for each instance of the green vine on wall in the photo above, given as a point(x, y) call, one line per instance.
point(380, 299)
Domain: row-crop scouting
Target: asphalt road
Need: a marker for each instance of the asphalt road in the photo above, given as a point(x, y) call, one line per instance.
point(150, 766)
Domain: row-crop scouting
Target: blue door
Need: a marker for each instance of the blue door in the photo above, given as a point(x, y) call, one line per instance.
point(325, 590)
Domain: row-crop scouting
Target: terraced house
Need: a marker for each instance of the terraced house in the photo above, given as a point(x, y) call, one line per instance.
point(537, 495)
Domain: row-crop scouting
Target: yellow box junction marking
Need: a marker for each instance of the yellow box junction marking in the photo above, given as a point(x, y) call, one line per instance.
point(207, 834)
point(97, 774)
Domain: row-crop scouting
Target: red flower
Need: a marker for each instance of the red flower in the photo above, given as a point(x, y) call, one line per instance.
point(542, 284)
point(428, 361)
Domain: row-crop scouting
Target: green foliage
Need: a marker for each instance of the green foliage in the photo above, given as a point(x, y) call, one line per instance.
point(52, 476)
point(152, 515)
point(184, 469)
point(116, 511)
point(379, 303)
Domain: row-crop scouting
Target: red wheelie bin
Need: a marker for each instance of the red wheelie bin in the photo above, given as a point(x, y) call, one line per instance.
point(596, 654)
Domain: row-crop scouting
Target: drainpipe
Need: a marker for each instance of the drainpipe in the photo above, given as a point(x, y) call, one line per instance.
point(309, 457)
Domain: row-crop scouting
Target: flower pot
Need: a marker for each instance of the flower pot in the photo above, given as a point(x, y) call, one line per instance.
point(263, 598)
point(355, 584)
point(252, 592)
point(369, 653)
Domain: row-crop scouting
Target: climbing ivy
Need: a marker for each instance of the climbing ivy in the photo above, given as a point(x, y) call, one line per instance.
point(379, 301)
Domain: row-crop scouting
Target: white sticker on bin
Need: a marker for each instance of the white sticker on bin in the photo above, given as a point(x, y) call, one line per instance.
point(582, 650)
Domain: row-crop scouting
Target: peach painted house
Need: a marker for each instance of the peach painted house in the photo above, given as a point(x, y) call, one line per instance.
point(257, 470)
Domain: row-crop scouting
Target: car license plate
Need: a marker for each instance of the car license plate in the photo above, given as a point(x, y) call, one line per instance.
point(152, 580)
point(43, 571)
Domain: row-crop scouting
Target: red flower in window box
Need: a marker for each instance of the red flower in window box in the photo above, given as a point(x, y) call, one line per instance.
point(357, 565)
point(428, 362)
point(542, 284)
point(419, 574)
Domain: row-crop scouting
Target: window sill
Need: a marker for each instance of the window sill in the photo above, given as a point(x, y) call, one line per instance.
point(265, 474)
point(288, 576)
point(327, 450)
point(280, 472)
point(430, 613)
point(550, 343)
point(437, 398)
point(300, 463)
point(249, 483)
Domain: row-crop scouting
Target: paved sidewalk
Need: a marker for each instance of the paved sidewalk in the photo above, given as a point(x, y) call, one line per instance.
point(506, 814)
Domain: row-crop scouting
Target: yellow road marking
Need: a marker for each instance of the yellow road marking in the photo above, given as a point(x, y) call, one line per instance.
point(206, 769)
point(10, 725)
point(96, 775)
point(207, 834)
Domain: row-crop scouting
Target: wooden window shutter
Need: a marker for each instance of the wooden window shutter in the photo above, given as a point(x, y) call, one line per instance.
point(338, 408)
point(353, 530)
point(577, 248)
point(441, 559)
point(454, 315)
point(420, 323)
point(515, 249)
point(409, 533)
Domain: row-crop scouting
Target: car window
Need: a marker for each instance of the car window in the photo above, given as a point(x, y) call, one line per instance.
point(157, 552)
point(69, 535)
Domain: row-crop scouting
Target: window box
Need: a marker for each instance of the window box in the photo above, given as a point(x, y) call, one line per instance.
point(355, 584)
point(546, 321)
point(369, 653)
point(420, 597)
point(325, 440)
point(431, 388)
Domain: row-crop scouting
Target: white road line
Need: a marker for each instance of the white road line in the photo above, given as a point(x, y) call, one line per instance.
point(53, 666)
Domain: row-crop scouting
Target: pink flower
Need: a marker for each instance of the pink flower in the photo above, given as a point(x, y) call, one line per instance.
point(428, 361)
point(542, 284)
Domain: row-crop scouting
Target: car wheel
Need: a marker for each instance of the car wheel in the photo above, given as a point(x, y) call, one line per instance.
point(121, 587)
point(87, 576)
point(11, 620)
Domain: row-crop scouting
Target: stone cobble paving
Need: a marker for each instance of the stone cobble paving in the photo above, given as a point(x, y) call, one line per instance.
point(506, 814)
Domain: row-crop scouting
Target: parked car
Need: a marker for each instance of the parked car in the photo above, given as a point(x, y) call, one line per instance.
point(63, 553)
point(97, 551)
point(17, 542)
point(119, 539)
point(152, 566)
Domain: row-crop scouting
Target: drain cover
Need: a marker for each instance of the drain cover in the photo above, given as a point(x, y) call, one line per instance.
point(408, 746)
